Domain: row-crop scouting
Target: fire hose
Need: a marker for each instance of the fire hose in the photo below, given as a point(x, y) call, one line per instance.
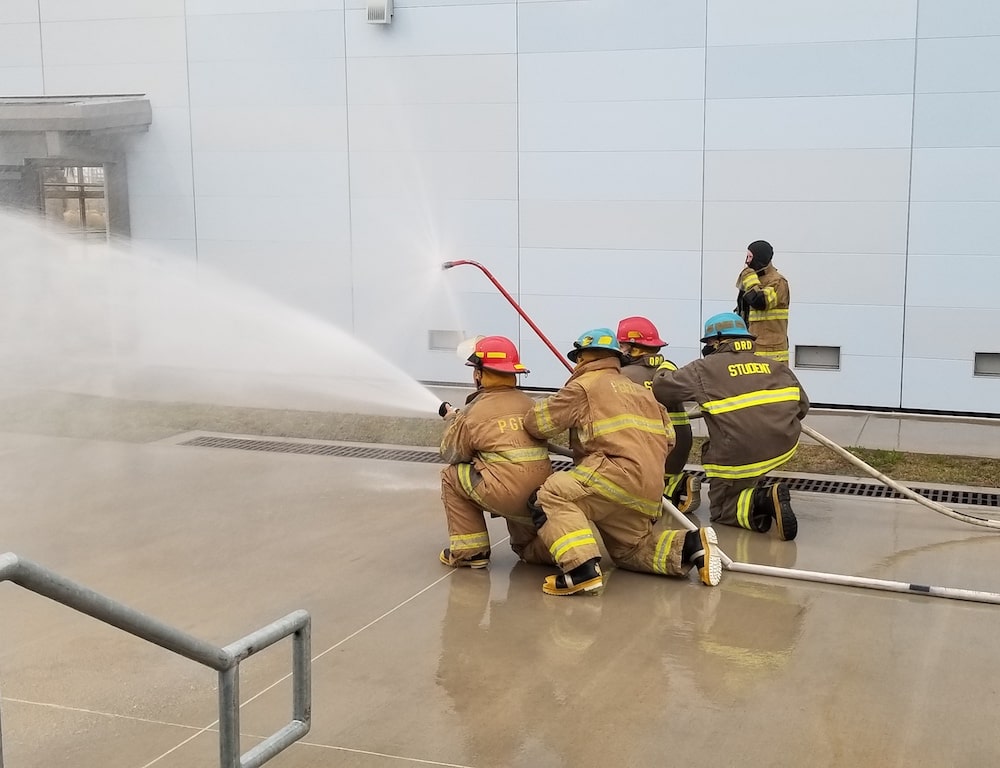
point(793, 573)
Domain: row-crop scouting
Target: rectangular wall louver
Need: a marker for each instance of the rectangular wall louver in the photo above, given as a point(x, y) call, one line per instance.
point(379, 11)
point(445, 341)
point(819, 358)
point(987, 364)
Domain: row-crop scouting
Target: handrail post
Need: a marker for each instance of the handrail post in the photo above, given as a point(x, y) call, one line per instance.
point(229, 717)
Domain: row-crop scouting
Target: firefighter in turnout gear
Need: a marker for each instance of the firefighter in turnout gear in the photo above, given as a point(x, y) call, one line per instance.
point(494, 465)
point(763, 301)
point(752, 408)
point(620, 438)
point(641, 345)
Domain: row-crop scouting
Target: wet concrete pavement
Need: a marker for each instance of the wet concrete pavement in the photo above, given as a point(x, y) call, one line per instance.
point(416, 664)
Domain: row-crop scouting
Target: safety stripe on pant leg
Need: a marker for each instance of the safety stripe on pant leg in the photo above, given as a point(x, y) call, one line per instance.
point(580, 538)
point(672, 482)
point(465, 478)
point(662, 552)
point(461, 542)
point(744, 506)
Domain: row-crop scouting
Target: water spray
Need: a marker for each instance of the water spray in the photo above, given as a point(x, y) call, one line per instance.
point(793, 573)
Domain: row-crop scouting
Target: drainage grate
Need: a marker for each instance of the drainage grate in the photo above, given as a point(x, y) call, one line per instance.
point(424, 456)
point(317, 449)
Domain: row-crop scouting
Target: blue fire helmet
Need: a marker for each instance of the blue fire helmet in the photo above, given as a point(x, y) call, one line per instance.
point(598, 338)
point(726, 325)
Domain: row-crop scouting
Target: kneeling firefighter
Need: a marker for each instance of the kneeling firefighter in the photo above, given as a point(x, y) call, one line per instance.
point(641, 345)
point(494, 465)
point(620, 438)
point(752, 407)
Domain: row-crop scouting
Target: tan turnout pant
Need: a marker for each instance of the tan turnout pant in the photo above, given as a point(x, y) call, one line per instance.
point(467, 533)
point(731, 503)
point(571, 507)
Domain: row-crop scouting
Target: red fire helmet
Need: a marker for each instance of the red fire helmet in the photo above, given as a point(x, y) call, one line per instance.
point(639, 330)
point(497, 353)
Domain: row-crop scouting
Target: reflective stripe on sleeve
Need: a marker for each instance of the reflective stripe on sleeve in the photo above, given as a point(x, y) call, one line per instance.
point(751, 281)
point(543, 418)
point(780, 355)
point(627, 421)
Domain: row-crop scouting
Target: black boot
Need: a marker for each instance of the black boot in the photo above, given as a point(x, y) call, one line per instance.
point(585, 578)
point(775, 502)
point(701, 549)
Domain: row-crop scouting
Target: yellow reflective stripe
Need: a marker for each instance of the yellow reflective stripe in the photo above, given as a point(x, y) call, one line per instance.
point(751, 281)
point(515, 455)
point(581, 538)
point(679, 418)
point(780, 355)
point(627, 421)
point(671, 482)
point(459, 542)
point(750, 399)
point(666, 365)
point(662, 551)
point(744, 506)
point(758, 315)
point(465, 478)
point(741, 471)
point(543, 418)
point(771, 296)
point(616, 493)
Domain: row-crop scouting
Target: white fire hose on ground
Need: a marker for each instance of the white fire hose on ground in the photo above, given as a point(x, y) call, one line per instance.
point(858, 581)
point(823, 577)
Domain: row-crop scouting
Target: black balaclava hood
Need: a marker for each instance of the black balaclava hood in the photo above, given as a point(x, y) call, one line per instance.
point(762, 254)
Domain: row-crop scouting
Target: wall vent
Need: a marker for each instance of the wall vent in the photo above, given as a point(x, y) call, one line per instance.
point(987, 364)
point(379, 11)
point(819, 358)
point(445, 341)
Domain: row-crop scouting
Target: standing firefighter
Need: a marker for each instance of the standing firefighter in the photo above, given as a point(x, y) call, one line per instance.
point(494, 465)
point(641, 345)
point(763, 301)
point(752, 409)
point(620, 437)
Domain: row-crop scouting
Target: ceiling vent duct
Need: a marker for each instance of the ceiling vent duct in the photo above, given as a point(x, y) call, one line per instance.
point(379, 11)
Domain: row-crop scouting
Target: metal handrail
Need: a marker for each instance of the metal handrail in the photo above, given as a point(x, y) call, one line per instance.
point(225, 661)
